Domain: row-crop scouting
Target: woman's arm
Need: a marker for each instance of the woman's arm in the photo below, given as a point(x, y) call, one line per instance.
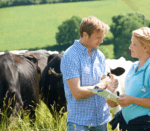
point(126, 100)
point(145, 102)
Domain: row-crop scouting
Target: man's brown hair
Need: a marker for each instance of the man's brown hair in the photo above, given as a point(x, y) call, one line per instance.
point(91, 24)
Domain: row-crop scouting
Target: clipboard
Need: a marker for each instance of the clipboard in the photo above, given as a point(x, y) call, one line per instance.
point(108, 95)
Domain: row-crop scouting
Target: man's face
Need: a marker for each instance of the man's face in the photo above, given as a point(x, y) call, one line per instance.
point(95, 40)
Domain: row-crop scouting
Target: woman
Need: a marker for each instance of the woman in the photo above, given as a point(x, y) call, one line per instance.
point(135, 103)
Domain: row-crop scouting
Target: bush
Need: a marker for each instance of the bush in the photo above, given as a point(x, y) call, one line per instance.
point(3, 3)
point(107, 50)
point(68, 31)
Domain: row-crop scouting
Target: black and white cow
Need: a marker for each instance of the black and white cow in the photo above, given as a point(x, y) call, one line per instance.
point(119, 67)
point(19, 82)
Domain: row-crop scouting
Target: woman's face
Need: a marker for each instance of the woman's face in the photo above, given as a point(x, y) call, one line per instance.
point(137, 50)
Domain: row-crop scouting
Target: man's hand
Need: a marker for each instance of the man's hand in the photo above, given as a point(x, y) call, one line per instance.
point(111, 103)
point(112, 84)
point(103, 82)
point(103, 77)
point(109, 83)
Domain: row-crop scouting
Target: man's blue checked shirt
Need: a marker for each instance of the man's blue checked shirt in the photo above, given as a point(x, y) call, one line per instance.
point(76, 62)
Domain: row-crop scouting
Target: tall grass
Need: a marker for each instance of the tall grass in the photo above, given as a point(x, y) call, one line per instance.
point(44, 121)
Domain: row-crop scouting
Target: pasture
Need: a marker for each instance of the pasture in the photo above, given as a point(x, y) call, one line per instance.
point(140, 5)
point(35, 26)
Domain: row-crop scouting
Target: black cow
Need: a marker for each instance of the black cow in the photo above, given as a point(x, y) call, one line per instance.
point(19, 81)
point(52, 86)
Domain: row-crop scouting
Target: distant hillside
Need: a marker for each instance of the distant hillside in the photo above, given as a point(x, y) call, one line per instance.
point(139, 5)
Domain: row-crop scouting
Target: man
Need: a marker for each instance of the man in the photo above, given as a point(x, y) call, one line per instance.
point(83, 67)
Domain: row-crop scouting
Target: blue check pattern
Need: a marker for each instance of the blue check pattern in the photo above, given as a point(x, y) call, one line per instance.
point(76, 62)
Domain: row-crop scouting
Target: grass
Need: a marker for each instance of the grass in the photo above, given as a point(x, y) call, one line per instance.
point(44, 122)
point(139, 5)
point(35, 26)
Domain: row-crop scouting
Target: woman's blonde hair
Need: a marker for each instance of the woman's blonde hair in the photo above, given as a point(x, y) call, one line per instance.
point(91, 24)
point(143, 35)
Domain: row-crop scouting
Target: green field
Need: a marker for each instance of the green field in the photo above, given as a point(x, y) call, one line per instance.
point(139, 5)
point(35, 26)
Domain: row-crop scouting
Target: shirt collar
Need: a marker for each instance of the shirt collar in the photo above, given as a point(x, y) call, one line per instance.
point(144, 66)
point(81, 48)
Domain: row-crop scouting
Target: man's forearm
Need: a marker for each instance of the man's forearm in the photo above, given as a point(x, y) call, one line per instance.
point(79, 92)
point(84, 91)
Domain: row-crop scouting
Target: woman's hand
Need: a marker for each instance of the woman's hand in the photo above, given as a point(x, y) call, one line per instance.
point(111, 103)
point(124, 100)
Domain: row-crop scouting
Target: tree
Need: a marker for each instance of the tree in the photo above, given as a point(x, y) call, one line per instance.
point(106, 51)
point(122, 28)
point(68, 31)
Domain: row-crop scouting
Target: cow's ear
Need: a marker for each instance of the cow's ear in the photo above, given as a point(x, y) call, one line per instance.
point(56, 76)
point(118, 71)
point(50, 58)
point(31, 58)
